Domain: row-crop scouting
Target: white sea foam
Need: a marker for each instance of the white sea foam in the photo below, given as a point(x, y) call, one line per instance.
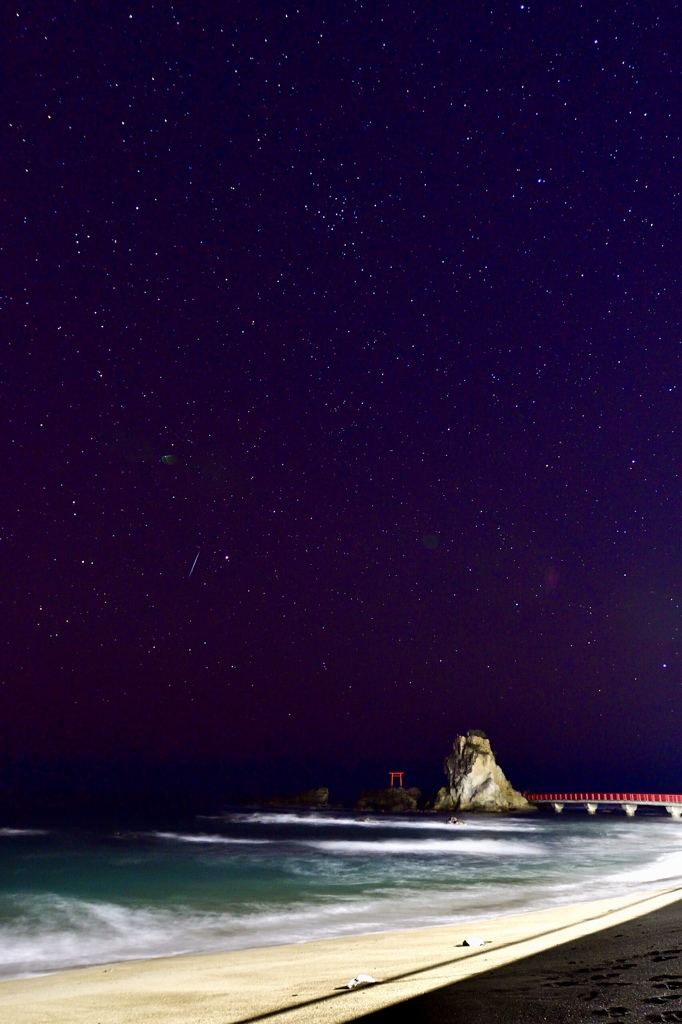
point(52, 932)
point(23, 832)
point(318, 885)
point(179, 837)
point(474, 847)
point(417, 824)
point(666, 869)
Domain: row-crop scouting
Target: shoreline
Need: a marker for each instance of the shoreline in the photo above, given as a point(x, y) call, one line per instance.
point(306, 982)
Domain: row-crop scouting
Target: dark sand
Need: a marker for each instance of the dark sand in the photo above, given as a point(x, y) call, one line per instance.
point(632, 972)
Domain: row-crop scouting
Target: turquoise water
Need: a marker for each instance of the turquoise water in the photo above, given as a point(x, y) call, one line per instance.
point(72, 897)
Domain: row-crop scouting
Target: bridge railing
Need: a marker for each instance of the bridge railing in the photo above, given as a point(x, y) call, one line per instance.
point(641, 798)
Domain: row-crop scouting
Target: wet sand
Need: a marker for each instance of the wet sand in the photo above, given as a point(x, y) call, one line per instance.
point(415, 970)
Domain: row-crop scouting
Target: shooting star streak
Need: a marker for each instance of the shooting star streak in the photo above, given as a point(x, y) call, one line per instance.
point(194, 563)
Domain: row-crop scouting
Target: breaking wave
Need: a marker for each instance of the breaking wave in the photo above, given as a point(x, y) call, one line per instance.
point(472, 847)
point(416, 823)
point(9, 832)
point(179, 837)
point(70, 899)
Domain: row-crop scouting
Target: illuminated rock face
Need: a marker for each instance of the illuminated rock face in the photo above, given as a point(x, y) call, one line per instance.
point(475, 780)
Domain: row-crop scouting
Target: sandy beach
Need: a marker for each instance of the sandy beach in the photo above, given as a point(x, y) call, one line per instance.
point(307, 982)
point(630, 972)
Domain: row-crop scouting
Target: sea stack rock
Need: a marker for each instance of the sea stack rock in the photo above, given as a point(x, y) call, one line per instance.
point(475, 780)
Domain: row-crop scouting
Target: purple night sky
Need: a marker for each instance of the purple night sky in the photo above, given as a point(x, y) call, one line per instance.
point(374, 308)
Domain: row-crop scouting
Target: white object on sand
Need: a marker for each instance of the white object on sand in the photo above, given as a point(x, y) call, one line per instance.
point(361, 979)
point(474, 940)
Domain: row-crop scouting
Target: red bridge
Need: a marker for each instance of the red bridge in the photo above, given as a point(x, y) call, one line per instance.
point(628, 801)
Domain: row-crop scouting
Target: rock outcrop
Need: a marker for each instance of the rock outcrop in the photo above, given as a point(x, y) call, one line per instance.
point(475, 780)
point(395, 800)
point(309, 798)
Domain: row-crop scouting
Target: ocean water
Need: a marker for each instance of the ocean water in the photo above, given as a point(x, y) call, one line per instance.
point(71, 897)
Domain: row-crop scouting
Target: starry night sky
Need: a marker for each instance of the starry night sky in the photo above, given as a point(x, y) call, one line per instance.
point(376, 308)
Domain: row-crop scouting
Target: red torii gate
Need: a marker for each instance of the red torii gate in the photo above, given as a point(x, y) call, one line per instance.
point(398, 776)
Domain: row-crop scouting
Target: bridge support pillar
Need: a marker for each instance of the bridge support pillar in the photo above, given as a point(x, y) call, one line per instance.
point(629, 809)
point(558, 807)
point(591, 807)
point(674, 810)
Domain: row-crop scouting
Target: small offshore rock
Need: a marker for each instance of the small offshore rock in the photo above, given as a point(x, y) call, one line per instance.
point(310, 798)
point(394, 799)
